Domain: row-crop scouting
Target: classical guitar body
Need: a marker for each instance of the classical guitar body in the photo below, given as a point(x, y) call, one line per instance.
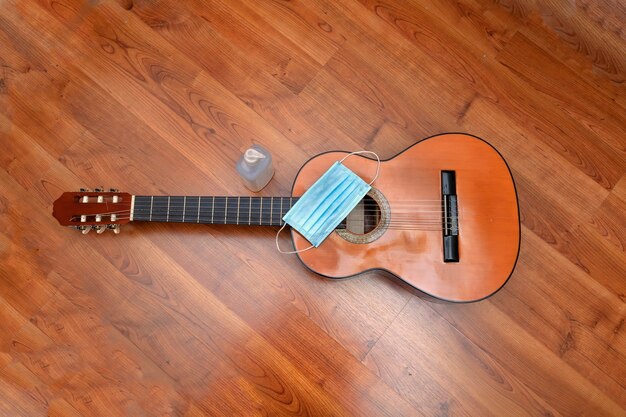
point(442, 216)
point(411, 244)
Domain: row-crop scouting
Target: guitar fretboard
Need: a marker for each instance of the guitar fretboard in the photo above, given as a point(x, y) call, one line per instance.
point(262, 211)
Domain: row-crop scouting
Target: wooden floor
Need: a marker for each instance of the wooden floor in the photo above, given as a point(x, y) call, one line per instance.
point(161, 97)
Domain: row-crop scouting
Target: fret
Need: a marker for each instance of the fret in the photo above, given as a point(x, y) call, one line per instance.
point(255, 210)
point(266, 211)
point(232, 212)
point(289, 202)
point(158, 209)
point(277, 213)
point(243, 212)
point(219, 210)
point(206, 210)
point(141, 208)
point(249, 210)
point(191, 210)
point(175, 209)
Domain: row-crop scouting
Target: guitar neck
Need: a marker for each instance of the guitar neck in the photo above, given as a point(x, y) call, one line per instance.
point(260, 211)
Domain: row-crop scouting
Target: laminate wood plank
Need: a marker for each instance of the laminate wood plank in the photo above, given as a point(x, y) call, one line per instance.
point(239, 27)
point(282, 388)
point(330, 312)
point(180, 104)
point(18, 252)
point(26, 74)
point(586, 35)
point(285, 288)
point(227, 61)
point(494, 374)
point(257, 318)
point(553, 172)
point(569, 326)
point(50, 308)
point(620, 189)
point(577, 238)
point(18, 403)
point(30, 377)
point(306, 27)
point(414, 25)
point(190, 364)
point(67, 160)
point(400, 57)
point(555, 221)
point(67, 323)
point(415, 72)
point(489, 25)
point(415, 366)
point(581, 102)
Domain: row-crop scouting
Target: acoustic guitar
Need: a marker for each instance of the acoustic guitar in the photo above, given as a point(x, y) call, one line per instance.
point(442, 216)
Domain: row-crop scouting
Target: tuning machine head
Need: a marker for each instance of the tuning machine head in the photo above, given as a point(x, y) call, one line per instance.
point(83, 229)
point(114, 227)
point(93, 208)
point(99, 228)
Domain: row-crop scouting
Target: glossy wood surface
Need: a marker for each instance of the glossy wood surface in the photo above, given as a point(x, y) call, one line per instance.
point(160, 97)
point(411, 248)
point(70, 206)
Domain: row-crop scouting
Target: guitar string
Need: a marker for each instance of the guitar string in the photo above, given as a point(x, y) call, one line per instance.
point(406, 217)
point(388, 227)
point(429, 224)
point(399, 218)
point(255, 210)
point(229, 220)
point(433, 227)
point(221, 204)
point(265, 211)
point(396, 216)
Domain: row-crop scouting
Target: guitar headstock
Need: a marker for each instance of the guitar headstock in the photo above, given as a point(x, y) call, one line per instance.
point(97, 210)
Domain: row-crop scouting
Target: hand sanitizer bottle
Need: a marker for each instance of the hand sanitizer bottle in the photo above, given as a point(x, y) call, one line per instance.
point(255, 167)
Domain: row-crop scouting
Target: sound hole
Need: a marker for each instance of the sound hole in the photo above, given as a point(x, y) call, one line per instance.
point(363, 218)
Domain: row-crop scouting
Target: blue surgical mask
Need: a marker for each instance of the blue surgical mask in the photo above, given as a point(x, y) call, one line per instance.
point(327, 202)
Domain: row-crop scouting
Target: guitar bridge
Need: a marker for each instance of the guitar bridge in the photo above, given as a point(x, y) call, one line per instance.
point(450, 217)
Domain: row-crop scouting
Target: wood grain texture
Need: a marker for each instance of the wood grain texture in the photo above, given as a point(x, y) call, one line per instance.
point(160, 97)
point(411, 246)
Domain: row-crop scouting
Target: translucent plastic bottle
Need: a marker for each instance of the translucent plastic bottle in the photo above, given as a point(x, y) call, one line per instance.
point(255, 167)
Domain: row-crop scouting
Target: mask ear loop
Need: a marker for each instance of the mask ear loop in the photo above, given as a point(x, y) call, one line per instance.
point(292, 251)
point(343, 159)
point(368, 152)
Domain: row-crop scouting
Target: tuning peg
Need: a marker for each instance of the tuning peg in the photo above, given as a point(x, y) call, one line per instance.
point(114, 190)
point(85, 190)
point(99, 229)
point(99, 189)
point(115, 228)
